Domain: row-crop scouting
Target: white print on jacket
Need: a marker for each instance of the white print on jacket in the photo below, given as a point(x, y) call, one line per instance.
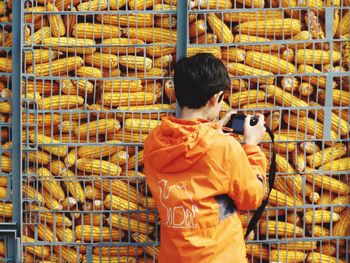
point(177, 216)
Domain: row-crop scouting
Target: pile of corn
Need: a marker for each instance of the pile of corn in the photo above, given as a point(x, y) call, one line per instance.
point(97, 79)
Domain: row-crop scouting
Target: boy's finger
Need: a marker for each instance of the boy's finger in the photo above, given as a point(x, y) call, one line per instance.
point(247, 121)
point(223, 121)
point(261, 118)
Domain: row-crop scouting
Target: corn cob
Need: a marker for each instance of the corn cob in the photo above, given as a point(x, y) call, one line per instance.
point(119, 158)
point(2, 8)
point(114, 72)
point(220, 29)
point(57, 102)
point(135, 62)
point(5, 107)
point(315, 5)
point(40, 56)
point(42, 87)
point(136, 160)
point(117, 4)
point(56, 22)
point(68, 254)
point(118, 251)
point(37, 250)
point(93, 193)
point(50, 184)
point(93, 219)
point(315, 28)
point(286, 256)
point(142, 4)
point(340, 228)
point(327, 183)
point(129, 224)
point(248, 97)
point(5, 65)
point(60, 151)
point(326, 249)
point(98, 167)
point(40, 23)
point(197, 28)
point(320, 217)
point(76, 87)
point(302, 36)
point(292, 219)
point(340, 203)
point(269, 63)
point(107, 61)
point(273, 228)
point(340, 97)
point(69, 203)
point(148, 202)
point(284, 98)
point(51, 202)
point(273, 120)
point(113, 202)
point(308, 125)
point(120, 85)
point(343, 28)
point(342, 164)
point(211, 4)
point(315, 257)
point(6, 210)
point(39, 36)
point(152, 251)
point(121, 45)
point(207, 38)
point(70, 21)
point(119, 259)
point(163, 62)
point(31, 193)
point(130, 20)
point(160, 49)
point(73, 185)
point(269, 27)
point(119, 188)
point(327, 155)
point(257, 75)
point(45, 215)
point(128, 137)
point(257, 251)
point(142, 125)
point(233, 54)
point(96, 31)
point(151, 35)
point(166, 22)
point(89, 233)
point(64, 234)
point(27, 256)
point(255, 45)
point(89, 72)
point(259, 15)
point(44, 232)
point(325, 199)
point(308, 146)
point(93, 5)
point(67, 126)
point(138, 112)
point(65, 4)
point(98, 127)
point(215, 51)
point(306, 89)
point(311, 56)
point(56, 67)
point(125, 99)
point(278, 198)
point(107, 149)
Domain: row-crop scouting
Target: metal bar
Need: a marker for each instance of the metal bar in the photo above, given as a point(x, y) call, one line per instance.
point(182, 36)
point(17, 113)
point(329, 78)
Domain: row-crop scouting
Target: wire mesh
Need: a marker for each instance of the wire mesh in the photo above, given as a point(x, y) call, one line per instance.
point(97, 79)
point(288, 60)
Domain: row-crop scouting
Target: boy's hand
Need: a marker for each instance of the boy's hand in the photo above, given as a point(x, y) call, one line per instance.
point(223, 121)
point(254, 134)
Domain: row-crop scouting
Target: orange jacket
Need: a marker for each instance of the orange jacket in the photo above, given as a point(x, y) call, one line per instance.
point(194, 171)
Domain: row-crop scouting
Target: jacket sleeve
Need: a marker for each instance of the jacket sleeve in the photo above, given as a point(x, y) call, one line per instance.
point(247, 176)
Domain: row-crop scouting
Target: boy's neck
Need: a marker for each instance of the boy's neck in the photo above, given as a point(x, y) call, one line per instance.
point(188, 114)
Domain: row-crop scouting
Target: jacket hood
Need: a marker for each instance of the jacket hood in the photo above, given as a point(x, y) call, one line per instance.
point(178, 144)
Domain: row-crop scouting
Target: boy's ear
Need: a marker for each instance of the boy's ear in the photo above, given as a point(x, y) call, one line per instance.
point(214, 100)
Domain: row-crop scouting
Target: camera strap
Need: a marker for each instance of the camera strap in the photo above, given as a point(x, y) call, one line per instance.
point(272, 174)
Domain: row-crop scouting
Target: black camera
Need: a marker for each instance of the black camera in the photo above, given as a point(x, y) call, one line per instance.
point(236, 122)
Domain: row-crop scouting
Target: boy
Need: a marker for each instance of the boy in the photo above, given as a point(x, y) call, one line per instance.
point(200, 177)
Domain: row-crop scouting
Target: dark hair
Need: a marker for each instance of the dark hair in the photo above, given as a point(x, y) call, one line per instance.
point(198, 78)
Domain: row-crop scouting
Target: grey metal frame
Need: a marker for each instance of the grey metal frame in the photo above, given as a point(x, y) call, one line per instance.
point(12, 231)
